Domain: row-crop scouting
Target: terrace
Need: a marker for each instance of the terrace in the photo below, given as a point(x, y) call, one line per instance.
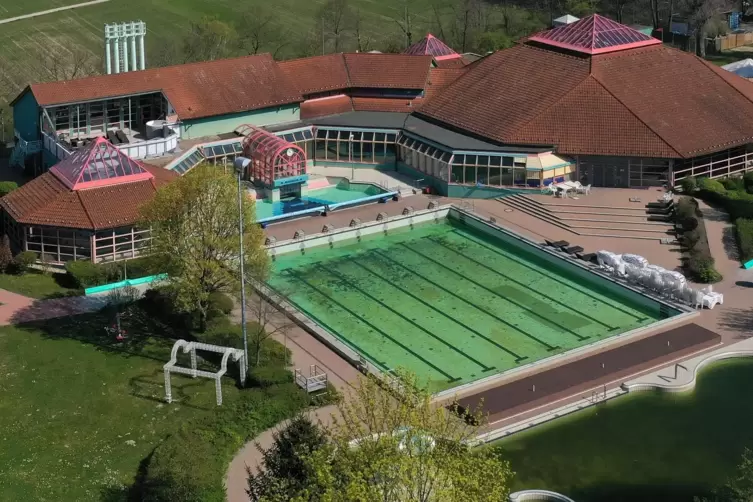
point(140, 126)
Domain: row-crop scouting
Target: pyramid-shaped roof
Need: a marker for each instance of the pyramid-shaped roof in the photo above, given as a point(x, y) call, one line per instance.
point(99, 164)
point(595, 34)
point(431, 46)
point(743, 68)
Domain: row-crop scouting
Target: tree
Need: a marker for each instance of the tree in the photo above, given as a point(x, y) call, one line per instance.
point(60, 63)
point(699, 14)
point(581, 8)
point(266, 322)
point(363, 40)
point(284, 472)
point(738, 488)
point(194, 222)
point(405, 23)
point(395, 445)
point(208, 40)
point(6, 257)
point(257, 30)
point(335, 17)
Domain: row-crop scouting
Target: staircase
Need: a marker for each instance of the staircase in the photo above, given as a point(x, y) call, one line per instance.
point(640, 222)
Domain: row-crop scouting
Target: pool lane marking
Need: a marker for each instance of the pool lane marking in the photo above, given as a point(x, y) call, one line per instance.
point(533, 290)
point(540, 318)
point(351, 284)
point(468, 302)
point(299, 278)
point(452, 319)
point(329, 328)
point(512, 258)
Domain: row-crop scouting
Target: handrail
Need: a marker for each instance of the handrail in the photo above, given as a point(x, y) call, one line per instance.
point(538, 495)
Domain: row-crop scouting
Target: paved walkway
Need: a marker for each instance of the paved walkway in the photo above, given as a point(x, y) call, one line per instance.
point(17, 309)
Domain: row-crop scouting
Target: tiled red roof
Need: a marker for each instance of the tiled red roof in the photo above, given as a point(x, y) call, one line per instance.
point(331, 105)
point(385, 104)
point(395, 71)
point(440, 78)
point(317, 74)
point(648, 101)
point(46, 201)
point(195, 90)
point(458, 62)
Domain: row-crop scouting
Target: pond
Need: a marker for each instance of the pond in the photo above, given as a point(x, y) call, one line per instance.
point(647, 447)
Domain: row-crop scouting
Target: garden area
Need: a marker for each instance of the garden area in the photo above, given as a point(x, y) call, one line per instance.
point(83, 416)
point(734, 195)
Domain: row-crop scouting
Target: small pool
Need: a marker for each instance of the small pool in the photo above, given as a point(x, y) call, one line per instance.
point(320, 197)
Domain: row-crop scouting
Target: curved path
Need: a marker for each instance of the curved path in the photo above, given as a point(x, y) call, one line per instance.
point(51, 11)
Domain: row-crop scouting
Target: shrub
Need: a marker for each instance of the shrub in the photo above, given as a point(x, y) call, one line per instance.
point(709, 185)
point(689, 184)
point(220, 302)
point(7, 187)
point(222, 333)
point(24, 260)
point(744, 228)
point(6, 256)
point(85, 274)
point(145, 266)
point(266, 376)
point(733, 183)
point(748, 181)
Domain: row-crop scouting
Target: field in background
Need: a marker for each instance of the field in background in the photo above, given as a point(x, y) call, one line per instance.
point(13, 8)
point(21, 42)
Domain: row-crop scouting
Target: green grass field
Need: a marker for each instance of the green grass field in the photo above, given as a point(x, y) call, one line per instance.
point(166, 20)
point(79, 412)
point(37, 285)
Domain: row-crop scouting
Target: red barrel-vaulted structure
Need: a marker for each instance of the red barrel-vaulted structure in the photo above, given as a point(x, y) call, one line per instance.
point(275, 163)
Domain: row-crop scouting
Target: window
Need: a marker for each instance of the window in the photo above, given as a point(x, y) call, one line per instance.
point(457, 174)
point(356, 135)
point(321, 133)
point(459, 159)
point(470, 160)
point(368, 136)
point(470, 174)
point(378, 137)
point(390, 138)
point(507, 161)
point(495, 161)
point(331, 134)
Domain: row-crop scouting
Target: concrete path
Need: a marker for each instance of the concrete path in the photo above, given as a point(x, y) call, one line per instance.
point(51, 11)
point(17, 309)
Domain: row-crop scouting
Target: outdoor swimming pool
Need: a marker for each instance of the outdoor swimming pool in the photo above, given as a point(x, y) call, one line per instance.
point(453, 304)
point(342, 192)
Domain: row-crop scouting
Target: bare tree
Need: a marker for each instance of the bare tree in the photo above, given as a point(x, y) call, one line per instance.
point(699, 13)
point(265, 322)
point(364, 41)
point(208, 40)
point(335, 16)
point(406, 24)
point(257, 30)
point(60, 63)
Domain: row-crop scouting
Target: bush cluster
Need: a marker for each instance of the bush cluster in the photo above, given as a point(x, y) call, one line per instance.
point(700, 263)
point(744, 227)
point(85, 274)
point(7, 187)
point(737, 199)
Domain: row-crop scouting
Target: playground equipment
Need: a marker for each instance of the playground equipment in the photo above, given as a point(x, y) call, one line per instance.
point(317, 379)
point(192, 347)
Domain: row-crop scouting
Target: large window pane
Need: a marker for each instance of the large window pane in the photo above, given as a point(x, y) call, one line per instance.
point(321, 149)
point(344, 149)
point(390, 138)
point(321, 133)
point(482, 175)
point(357, 135)
point(459, 159)
point(457, 174)
point(495, 161)
point(379, 154)
point(331, 150)
point(494, 176)
point(378, 137)
point(367, 155)
point(470, 174)
point(391, 152)
point(368, 136)
point(506, 177)
point(470, 160)
point(507, 161)
point(519, 176)
point(355, 151)
point(332, 134)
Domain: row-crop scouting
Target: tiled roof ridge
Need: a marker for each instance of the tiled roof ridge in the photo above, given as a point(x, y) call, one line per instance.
point(603, 86)
point(542, 49)
point(347, 72)
point(86, 210)
point(47, 203)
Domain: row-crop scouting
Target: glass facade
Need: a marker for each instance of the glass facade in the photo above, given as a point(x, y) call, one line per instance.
point(425, 158)
point(304, 139)
point(356, 145)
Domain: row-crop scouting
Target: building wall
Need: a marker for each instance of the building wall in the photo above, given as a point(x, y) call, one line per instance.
point(224, 124)
point(26, 117)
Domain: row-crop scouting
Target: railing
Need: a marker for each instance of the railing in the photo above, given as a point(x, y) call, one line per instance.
point(731, 164)
point(138, 150)
point(317, 379)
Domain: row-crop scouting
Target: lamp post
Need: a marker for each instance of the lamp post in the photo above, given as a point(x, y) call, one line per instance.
point(350, 158)
point(239, 168)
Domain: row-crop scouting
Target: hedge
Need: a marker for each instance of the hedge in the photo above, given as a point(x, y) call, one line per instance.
point(738, 203)
point(7, 187)
point(744, 228)
point(699, 264)
point(86, 274)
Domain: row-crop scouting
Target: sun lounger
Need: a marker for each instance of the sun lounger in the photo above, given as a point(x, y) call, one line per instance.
point(573, 249)
point(112, 138)
point(560, 244)
point(122, 137)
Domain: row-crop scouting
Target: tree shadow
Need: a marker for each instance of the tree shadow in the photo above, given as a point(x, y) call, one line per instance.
point(729, 241)
point(645, 493)
point(150, 386)
point(744, 284)
point(740, 320)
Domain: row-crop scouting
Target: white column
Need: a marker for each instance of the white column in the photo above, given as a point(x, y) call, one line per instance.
point(133, 54)
point(117, 56)
point(107, 56)
point(141, 52)
point(125, 54)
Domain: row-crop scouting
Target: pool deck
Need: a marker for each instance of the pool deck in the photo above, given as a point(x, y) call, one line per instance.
point(530, 392)
point(731, 321)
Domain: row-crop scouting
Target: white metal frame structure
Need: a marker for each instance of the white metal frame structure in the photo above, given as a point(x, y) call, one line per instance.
point(317, 379)
point(192, 347)
point(117, 40)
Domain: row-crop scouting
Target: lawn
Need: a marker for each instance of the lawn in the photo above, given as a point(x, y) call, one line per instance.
point(37, 285)
point(13, 8)
point(79, 415)
point(727, 57)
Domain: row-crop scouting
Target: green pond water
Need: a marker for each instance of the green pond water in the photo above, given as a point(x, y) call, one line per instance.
point(451, 304)
point(645, 447)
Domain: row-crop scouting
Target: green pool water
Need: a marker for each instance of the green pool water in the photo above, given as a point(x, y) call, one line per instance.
point(342, 192)
point(451, 304)
point(645, 447)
